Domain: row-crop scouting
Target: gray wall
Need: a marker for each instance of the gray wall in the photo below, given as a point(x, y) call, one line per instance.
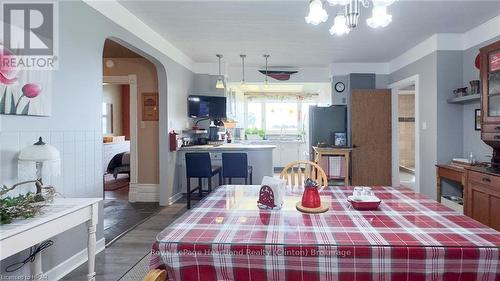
point(76, 98)
point(426, 69)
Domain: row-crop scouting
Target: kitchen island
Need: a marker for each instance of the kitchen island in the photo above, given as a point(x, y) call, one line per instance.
point(260, 157)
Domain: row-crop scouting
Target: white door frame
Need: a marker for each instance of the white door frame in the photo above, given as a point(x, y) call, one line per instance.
point(130, 80)
point(395, 88)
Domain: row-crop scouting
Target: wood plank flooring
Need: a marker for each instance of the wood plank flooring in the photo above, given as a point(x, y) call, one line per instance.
point(116, 260)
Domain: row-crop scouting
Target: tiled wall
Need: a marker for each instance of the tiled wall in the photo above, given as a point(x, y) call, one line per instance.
point(407, 130)
point(81, 159)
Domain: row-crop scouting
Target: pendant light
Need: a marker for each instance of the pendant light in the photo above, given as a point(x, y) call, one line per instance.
point(266, 82)
point(220, 83)
point(243, 82)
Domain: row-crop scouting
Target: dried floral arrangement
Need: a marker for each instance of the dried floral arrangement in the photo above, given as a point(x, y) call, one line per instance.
point(24, 205)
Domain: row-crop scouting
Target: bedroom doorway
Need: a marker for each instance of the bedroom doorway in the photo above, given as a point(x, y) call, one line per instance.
point(130, 139)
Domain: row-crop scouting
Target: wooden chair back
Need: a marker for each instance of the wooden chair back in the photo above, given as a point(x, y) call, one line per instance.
point(297, 172)
point(156, 275)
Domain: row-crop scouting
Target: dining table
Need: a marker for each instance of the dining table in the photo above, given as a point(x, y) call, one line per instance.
point(409, 237)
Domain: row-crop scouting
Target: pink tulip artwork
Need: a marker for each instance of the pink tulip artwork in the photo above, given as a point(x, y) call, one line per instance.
point(23, 91)
point(7, 72)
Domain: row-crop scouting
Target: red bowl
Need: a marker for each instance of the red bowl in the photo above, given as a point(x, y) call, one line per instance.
point(364, 205)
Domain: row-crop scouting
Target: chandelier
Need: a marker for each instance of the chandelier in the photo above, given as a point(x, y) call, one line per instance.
point(348, 16)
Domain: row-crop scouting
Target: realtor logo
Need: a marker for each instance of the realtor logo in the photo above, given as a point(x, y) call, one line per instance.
point(29, 28)
point(30, 33)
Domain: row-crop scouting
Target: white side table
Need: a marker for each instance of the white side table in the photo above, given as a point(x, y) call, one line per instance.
point(59, 216)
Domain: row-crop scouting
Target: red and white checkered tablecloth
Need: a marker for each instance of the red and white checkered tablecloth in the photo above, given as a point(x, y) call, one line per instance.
point(410, 237)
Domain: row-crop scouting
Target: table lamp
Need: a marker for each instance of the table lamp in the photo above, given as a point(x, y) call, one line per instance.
point(46, 158)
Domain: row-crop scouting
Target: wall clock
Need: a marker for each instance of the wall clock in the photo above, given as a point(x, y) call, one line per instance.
point(339, 87)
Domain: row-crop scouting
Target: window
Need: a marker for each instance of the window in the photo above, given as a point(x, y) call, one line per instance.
point(254, 115)
point(107, 118)
point(277, 117)
point(282, 117)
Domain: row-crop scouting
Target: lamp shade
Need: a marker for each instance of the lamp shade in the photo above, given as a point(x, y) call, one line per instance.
point(39, 152)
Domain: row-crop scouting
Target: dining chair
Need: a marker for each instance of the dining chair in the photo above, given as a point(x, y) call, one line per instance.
point(199, 165)
point(156, 275)
point(235, 165)
point(297, 172)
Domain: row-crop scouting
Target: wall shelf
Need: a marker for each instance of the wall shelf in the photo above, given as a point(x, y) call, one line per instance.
point(465, 99)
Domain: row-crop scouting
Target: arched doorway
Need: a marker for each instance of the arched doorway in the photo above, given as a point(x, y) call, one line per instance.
point(130, 127)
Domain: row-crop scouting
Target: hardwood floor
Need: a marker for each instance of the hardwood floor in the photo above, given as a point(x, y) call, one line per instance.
point(117, 259)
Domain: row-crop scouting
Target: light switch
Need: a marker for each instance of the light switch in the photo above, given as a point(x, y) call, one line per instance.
point(143, 125)
point(424, 125)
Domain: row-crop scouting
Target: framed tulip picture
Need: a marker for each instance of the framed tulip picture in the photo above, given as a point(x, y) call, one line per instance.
point(23, 91)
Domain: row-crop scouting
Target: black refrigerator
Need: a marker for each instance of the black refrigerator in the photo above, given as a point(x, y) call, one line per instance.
point(324, 121)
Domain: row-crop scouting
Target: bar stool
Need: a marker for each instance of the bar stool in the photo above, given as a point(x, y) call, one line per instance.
point(198, 165)
point(235, 165)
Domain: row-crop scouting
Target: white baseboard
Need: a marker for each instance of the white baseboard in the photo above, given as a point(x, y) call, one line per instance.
point(144, 193)
point(174, 198)
point(72, 263)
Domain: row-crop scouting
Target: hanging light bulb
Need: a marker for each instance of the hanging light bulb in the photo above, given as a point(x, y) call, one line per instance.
point(316, 14)
point(339, 27)
point(338, 2)
point(266, 82)
point(220, 82)
point(243, 82)
point(379, 18)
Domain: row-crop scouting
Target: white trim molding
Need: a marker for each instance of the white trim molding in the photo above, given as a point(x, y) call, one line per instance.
point(130, 80)
point(395, 91)
point(124, 18)
point(144, 193)
point(174, 198)
point(70, 264)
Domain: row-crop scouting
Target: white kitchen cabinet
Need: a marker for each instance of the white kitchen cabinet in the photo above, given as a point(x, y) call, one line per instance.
point(287, 152)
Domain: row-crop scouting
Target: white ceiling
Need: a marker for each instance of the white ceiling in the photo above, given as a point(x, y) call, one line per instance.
point(204, 28)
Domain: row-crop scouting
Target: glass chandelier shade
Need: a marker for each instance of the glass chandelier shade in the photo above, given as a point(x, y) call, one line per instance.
point(339, 27)
point(338, 2)
point(316, 14)
point(379, 18)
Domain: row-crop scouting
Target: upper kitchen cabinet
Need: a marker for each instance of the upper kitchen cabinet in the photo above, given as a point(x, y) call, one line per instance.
point(490, 97)
point(490, 78)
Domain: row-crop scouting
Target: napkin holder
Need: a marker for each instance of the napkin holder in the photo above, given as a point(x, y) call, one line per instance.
point(271, 193)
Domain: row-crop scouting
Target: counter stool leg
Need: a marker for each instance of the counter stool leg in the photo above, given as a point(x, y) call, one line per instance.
point(230, 180)
point(189, 193)
point(251, 177)
point(209, 185)
point(246, 180)
point(220, 178)
point(200, 184)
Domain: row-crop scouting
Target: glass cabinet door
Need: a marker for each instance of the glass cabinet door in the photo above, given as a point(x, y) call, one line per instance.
point(494, 84)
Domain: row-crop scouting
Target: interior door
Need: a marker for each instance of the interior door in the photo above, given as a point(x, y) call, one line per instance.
point(371, 137)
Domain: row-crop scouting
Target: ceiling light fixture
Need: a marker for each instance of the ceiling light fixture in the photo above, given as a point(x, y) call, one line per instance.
point(339, 26)
point(266, 82)
point(379, 18)
point(220, 82)
point(350, 13)
point(316, 14)
point(243, 83)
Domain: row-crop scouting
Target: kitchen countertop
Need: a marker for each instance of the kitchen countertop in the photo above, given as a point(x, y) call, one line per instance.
point(228, 146)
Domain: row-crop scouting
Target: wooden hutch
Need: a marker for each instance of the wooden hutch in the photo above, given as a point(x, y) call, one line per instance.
point(482, 191)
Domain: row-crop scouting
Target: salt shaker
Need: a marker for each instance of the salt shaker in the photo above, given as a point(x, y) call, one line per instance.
point(358, 191)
